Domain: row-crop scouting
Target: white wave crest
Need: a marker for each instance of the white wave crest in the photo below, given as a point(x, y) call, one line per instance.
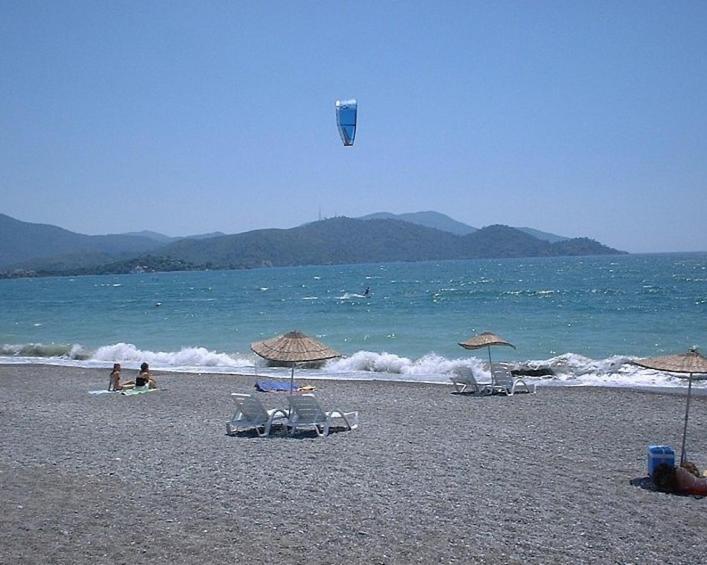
point(618, 370)
point(569, 369)
point(350, 295)
point(185, 357)
point(58, 350)
point(429, 365)
point(574, 364)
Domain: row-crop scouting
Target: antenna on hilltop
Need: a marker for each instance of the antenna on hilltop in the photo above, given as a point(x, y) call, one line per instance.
point(320, 213)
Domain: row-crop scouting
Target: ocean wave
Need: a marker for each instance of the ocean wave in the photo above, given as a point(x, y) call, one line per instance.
point(569, 369)
point(427, 365)
point(127, 353)
point(185, 357)
point(43, 350)
point(350, 295)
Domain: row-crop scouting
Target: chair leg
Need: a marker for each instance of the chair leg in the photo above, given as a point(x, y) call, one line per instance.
point(351, 420)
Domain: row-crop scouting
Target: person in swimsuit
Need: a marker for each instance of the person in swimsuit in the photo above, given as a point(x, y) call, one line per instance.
point(114, 382)
point(145, 378)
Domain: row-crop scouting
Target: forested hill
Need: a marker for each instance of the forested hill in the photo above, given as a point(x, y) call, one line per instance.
point(346, 240)
point(24, 241)
point(338, 240)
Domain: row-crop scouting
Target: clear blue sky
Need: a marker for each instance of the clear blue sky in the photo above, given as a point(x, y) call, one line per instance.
point(578, 118)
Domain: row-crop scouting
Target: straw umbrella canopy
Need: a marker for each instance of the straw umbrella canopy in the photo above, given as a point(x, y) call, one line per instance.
point(692, 362)
point(486, 339)
point(292, 348)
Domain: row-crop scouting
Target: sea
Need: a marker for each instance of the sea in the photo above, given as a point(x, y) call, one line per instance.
point(584, 318)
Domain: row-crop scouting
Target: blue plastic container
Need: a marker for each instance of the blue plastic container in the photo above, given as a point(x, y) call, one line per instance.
point(658, 454)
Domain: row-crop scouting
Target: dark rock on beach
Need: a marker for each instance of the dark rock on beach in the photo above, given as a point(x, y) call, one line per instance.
point(533, 372)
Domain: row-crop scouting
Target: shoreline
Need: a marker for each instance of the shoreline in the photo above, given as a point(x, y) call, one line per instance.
point(544, 382)
point(23, 274)
point(428, 477)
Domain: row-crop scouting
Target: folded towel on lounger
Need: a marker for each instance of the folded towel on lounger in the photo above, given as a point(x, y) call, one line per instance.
point(275, 386)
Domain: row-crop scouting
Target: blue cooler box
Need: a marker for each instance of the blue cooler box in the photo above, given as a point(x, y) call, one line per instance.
point(658, 454)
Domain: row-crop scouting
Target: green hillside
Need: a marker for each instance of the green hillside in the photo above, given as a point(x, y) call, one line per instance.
point(347, 240)
point(335, 241)
point(21, 242)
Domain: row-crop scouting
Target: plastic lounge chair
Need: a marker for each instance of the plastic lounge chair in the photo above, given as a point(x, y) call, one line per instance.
point(464, 380)
point(250, 413)
point(305, 412)
point(505, 383)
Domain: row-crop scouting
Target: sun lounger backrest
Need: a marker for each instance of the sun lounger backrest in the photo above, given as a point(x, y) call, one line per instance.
point(506, 381)
point(502, 376)
point(251, 408)
point(464, 374)
point(306, 410)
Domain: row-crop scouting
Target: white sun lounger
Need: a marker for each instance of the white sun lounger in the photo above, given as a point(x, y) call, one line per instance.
point(464, 380)
point(305, 412)
point(505, 383)
point(250, 413)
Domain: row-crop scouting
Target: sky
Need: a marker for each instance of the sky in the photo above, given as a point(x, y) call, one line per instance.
point(577, 118)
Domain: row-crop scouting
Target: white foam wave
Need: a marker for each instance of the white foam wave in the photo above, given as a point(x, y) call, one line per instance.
point(185, 357)
point(569, 369)
point(430, 366)
point(615, 371)
point(350, 295)
point(44, 350)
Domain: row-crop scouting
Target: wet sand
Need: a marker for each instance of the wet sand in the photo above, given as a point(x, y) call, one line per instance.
point(430, 477)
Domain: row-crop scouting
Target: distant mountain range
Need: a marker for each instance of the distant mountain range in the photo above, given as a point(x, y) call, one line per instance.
point(428, 219)
point(162, 238)
point(21, 242)
point(27, 249)
point(445, 223)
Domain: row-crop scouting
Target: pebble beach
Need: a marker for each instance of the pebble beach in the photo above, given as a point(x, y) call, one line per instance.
point(429, 477)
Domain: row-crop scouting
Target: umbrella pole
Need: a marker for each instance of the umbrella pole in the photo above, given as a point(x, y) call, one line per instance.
point(292, 378)
point(687, 412)
point(490, 365)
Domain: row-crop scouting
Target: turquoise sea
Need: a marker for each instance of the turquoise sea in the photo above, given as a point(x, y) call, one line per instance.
point(583, 316)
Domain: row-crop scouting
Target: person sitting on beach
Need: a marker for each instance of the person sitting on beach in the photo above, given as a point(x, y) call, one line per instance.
point(668, 478)
point(114, 383)
point(145, 378)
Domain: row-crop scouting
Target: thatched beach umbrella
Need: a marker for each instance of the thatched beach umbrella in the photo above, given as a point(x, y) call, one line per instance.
point(486, 339)
point(292, 348)
point(691, 363)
